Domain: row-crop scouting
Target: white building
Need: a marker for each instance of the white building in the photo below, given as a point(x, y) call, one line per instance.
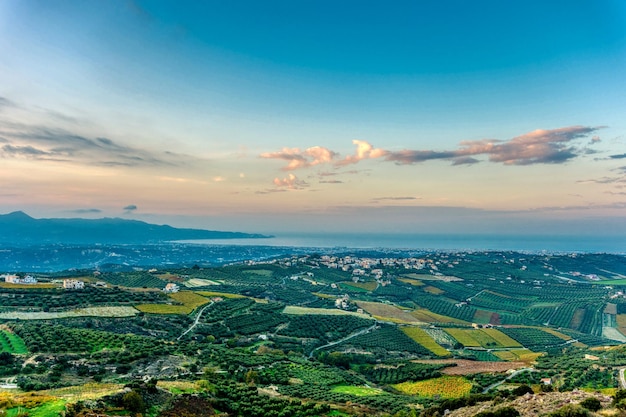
point(16, 279)
point(73, 284)
point(171, 287)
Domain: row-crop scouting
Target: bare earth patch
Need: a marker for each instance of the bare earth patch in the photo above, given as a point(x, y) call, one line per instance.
point(466, 367)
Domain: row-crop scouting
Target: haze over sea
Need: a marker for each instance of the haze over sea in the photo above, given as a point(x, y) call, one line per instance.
point(532, 243)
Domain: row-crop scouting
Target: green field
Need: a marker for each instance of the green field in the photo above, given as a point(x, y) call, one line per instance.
point(358, 391)
point(190, 301)
point(12, 343)
point(424, 339)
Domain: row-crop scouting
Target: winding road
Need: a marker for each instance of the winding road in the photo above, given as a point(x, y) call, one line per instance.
point(350, 336)
point(197, 320)
point(519, 371)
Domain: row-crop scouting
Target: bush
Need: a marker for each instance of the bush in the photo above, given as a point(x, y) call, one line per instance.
point(591, 404)
point(501, 412)
point(570, 411)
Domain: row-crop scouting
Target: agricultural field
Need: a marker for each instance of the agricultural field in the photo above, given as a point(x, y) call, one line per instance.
point(11, 343)
point(295, 350)
point(469, 367)
point(387, 312)
point(187, 302)
point(322, 311)
point(198, 282)
point(113, 311)
point(424, 339)
point(442, 387)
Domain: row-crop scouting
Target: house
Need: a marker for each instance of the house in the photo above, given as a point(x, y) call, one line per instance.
point(73, 284)
point(16, 279)
point(546, 381)
point(171, 288)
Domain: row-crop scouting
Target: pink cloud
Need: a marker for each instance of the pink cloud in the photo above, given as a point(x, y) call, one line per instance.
point(297, 159)
point(291, 182)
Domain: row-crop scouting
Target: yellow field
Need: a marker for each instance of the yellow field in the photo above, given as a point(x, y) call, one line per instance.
point(29, 286)
point(414, 282)
point(501, 338)
point(90, 391)
point(445, 387)
point(424, 339)
point(433, 290)
point(367, 286)
point(219, 294)
point(621, 323)
point(190, 301)
point(387, 312)
point(463, 336)
point(555, 333)
point(428, 316)
point(487, 338)
point(517, 355)
point(325, 296)
point(322, 311)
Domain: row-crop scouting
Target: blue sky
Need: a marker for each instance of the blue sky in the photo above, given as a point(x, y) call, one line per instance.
point(287, 116)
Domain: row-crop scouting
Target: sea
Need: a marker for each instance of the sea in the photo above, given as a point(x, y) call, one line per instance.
point(434, 242)
point(118, 257)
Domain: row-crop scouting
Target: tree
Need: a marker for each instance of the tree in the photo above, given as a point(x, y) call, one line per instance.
point(132, 401)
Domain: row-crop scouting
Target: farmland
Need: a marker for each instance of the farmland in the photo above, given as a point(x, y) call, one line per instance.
point(294, 333)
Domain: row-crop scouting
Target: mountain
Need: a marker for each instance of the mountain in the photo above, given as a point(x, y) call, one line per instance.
point(18, 229)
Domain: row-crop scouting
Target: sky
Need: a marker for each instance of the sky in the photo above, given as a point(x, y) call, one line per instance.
point(317, 116)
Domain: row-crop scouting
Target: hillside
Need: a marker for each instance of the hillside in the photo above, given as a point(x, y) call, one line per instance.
point(19, 229)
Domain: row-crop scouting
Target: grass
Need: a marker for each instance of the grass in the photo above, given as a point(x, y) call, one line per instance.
point(12, 343)
point(358, 391)
point(351, 286)
point(199, 282)
point(555, 333)
point(517, 355)
point(444, 387)
point(29, 286)
point(482, 316)
point(296, 310)
point(48, 409)
point(179, 387)
point(112, 311)
point(463, 337)
point(189, 302)
point(433, 290)
point(414, 282)
point(387, 312)
point(424, 339)
point(428, 316)
point(219, 294)
point(262, 272)
point(367, 286)
point(89, 391)
point(502, 339)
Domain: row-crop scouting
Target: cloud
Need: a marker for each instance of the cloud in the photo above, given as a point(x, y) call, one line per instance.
point(537, 147)
point(331, 182)
point(302, 159)
point(5, 102)
point(86, 211)
point(364, 150)
point(291, 182)
point(620, 156)
point(44, 143)
point(394, 198)
point(541, 146)
point(130, 208)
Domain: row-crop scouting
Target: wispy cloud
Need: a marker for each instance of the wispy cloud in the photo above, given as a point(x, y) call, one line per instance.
point(394, 198)
point(130, 208)
point(86, 211)
point(620, 156)
point(537, 147)
point(542, 146)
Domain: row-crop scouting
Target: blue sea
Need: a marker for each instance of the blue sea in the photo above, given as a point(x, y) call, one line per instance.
point(460, 242)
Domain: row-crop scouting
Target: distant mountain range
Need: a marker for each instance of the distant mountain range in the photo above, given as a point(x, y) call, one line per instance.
point(20, 229)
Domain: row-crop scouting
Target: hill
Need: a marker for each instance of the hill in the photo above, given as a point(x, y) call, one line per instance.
point(19, 229)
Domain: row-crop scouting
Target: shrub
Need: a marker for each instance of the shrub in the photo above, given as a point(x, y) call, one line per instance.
point(591, 404)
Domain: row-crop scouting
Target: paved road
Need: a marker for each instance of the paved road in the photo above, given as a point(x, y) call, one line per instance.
point(622, 380)
point(519, 371)
point(195, 322)
point(350, 336)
